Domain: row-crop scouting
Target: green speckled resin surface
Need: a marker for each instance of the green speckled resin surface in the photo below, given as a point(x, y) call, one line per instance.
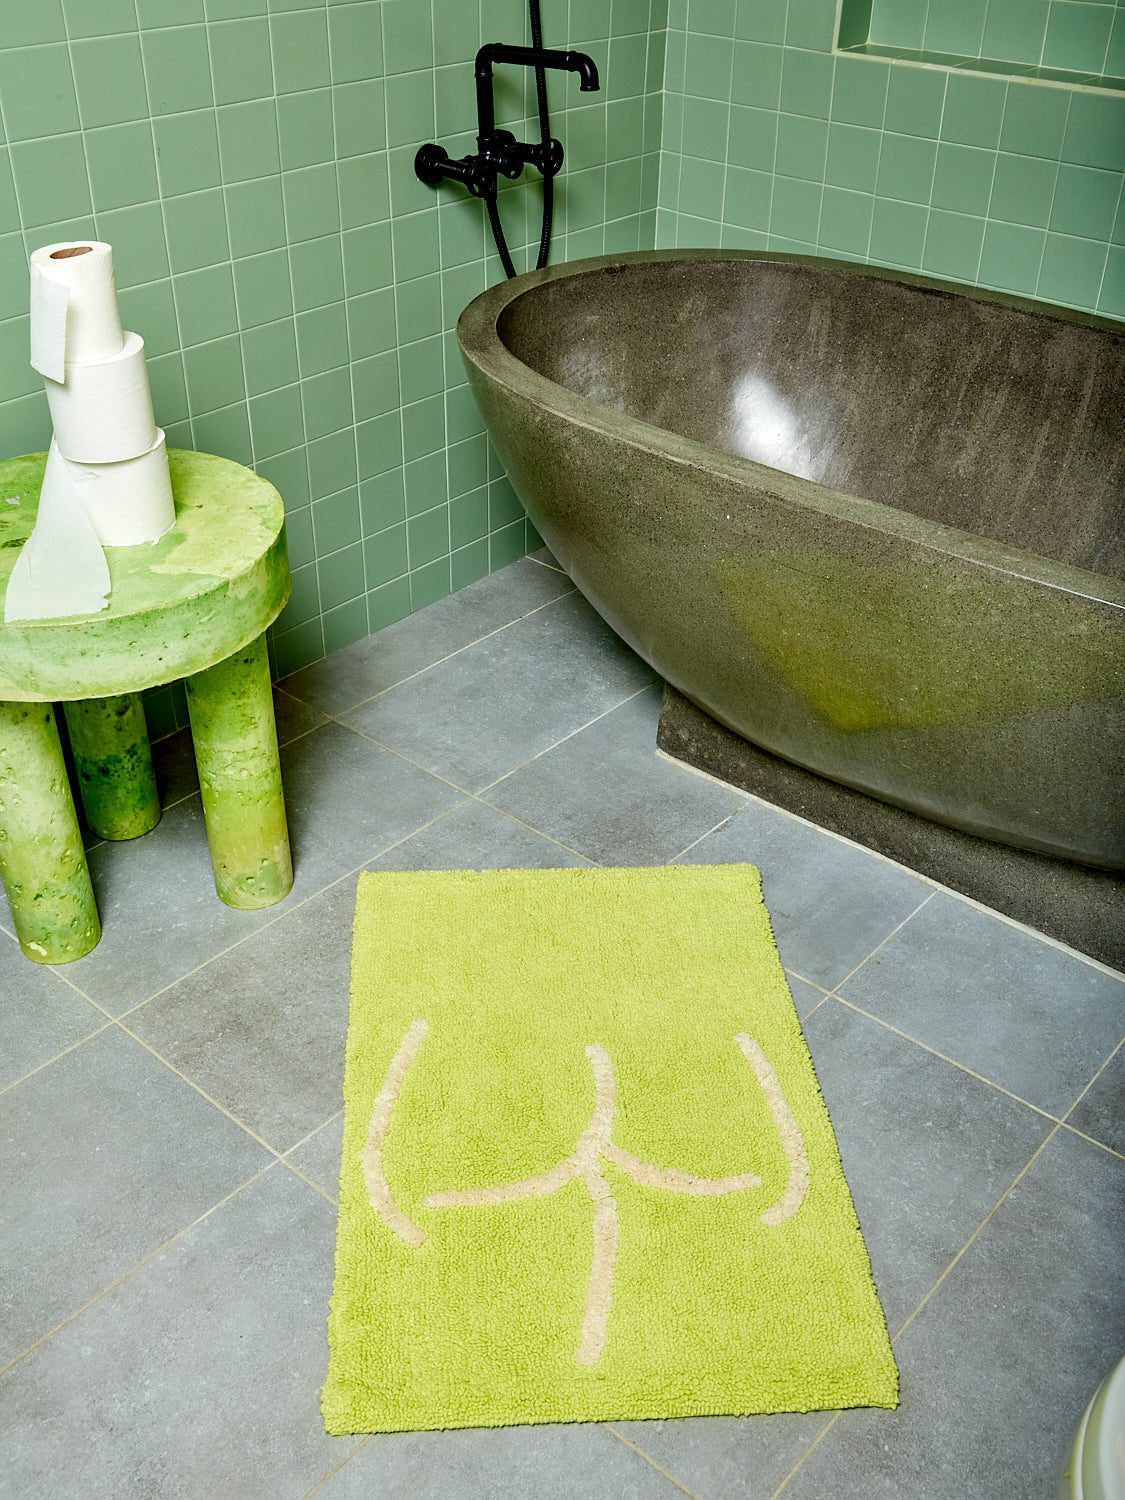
point(176, 606)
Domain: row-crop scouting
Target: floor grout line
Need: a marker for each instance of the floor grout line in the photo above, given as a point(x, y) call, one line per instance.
point(879, 946)
point(640, 1452)
point(319, 1485)
point(55, 1058)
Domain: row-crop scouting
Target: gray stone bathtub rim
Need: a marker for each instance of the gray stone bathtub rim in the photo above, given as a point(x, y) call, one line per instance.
point(480, 343)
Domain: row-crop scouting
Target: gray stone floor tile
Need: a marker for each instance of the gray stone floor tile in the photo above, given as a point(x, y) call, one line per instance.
point(564, 1462)
point(349, 800)
point(106, 1154)
point(478, 715)
point(727, 1458)
point(806, 997)
point(606, 793)
point(159, 911)
point(927, 1149)
point(1028, 1016)
point(831, 903)
point(1000, 1363)
point(357, 672)
point(198, 1376)
point(318, 1157)
point(42, 1015)
point(261, 1028)
point(475, 836)
point(1100, 1113)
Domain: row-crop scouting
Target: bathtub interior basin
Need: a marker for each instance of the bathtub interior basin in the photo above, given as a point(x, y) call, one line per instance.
point(871, 523)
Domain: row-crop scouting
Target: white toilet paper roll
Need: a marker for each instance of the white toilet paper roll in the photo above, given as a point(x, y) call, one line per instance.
point(129, 502)
point(61, 568)
point(74, 314)
point(103, 411)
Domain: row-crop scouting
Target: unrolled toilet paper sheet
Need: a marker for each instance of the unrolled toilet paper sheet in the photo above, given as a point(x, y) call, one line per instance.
point(61, 568)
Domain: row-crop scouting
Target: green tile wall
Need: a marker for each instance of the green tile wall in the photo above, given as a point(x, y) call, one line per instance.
point(296, 286)
point(772, 139)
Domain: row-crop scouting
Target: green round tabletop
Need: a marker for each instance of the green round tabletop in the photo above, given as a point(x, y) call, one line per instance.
point(208, 587)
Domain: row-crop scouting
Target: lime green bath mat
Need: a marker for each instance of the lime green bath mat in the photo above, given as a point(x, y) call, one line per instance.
point(587, 1170)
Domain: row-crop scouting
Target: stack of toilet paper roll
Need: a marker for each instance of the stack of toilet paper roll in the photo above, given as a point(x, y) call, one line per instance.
point(106, 482)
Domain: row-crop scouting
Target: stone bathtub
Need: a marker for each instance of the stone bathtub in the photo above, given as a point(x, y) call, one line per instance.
point(873, 524)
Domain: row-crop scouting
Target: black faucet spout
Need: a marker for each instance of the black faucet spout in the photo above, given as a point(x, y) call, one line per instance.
point(531, 57)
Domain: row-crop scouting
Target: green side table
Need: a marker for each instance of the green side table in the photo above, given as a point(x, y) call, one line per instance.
point(194, 605)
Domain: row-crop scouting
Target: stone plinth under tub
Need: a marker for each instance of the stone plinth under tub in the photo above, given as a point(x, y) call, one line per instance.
point(194, 605)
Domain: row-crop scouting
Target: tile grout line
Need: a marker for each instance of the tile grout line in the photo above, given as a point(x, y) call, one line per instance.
point(879, 946)
point(640, 1452)
point(160, 1249)
point(55, 1058)
point(319, 1485)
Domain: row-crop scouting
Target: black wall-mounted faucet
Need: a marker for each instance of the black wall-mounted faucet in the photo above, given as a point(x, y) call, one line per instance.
point(498, 152)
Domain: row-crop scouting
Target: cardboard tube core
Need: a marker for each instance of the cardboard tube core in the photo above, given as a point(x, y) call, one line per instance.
point(72, 250)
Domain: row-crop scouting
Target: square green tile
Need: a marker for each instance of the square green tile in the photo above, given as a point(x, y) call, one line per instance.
point(364, 190)
point(707, 67)
point(1011, 257)
point(248, 145)
point(431, 583)
point(898, 232)
point(428, 536)
point(13, 276)
point(346, 624)
point(622, 190)
point(382, 497)
point(387, 604)
point(276, 419)
point(503, 504)
point(299, 40)
point(306, 128)
point(312, 202)
point(468, 465)
point(425, 482)
point(1015, 29)
point(859, 94)
point(355, 36)
point(367, 258)
point(359, 117)
point(214, 374)
point(416, 244)
point(1071, 273)
point(906, 168)
point(1023, 189)
point(187, 152)
point(298, 526)
point(140, 252)
point(974, 110)
point(205, 304)
point(747, 202)
point(121, 162)
point(317, 269)
point(624, 124)
point(371, 323)
point(963, 179)
point(322, 339)
point(795, 212)
point(802, 146)
point(853, 157)
point(1086, 201)
point(423, 429)
point(38, 92)
point(233, 10)
point(408, 41)
point(713, 17)
point(178, 69)
point(262, 288)
point(418, 308)
point(1077, 36)
point(169, 12)
point(332, 464)
point(505, 546)
point(241, 61)
point(384, 555)
point(150, 310)
point(915, 100)
point(1115, 57)
point(197, 230)
point(953, 245)
point(845, 221)
point(410, 115)
point(304, 600)
point(628, 65)
point(1035, 120)
point(375, 387)
point(806, 84)
point(898, 23)
point(169, 389)
point(28, 25)
point(468, 517)
point(225, 432)
point(467, 564)
point(701, 188)
point(255, 215)
point(336, 520)
point(340, 576)
point(810, 23)
point(462, 415)
point(328, 402)
point(1111, 302)
point(705, 129)
point(110, 80)
point(9, 208)
point(759, 20)
point(955, 26)
point(422, 369)
point(17, 378)
point(289, 475)
point(1095, 131)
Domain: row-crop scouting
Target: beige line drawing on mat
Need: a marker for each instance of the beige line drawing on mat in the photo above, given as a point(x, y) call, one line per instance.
point(595, 1142)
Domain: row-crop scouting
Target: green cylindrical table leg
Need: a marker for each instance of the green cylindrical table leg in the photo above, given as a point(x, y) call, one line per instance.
point(235, 737)
point(109, 739)
point(41, 856)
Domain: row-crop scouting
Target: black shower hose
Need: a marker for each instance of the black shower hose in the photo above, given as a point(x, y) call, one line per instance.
point(548, 174)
